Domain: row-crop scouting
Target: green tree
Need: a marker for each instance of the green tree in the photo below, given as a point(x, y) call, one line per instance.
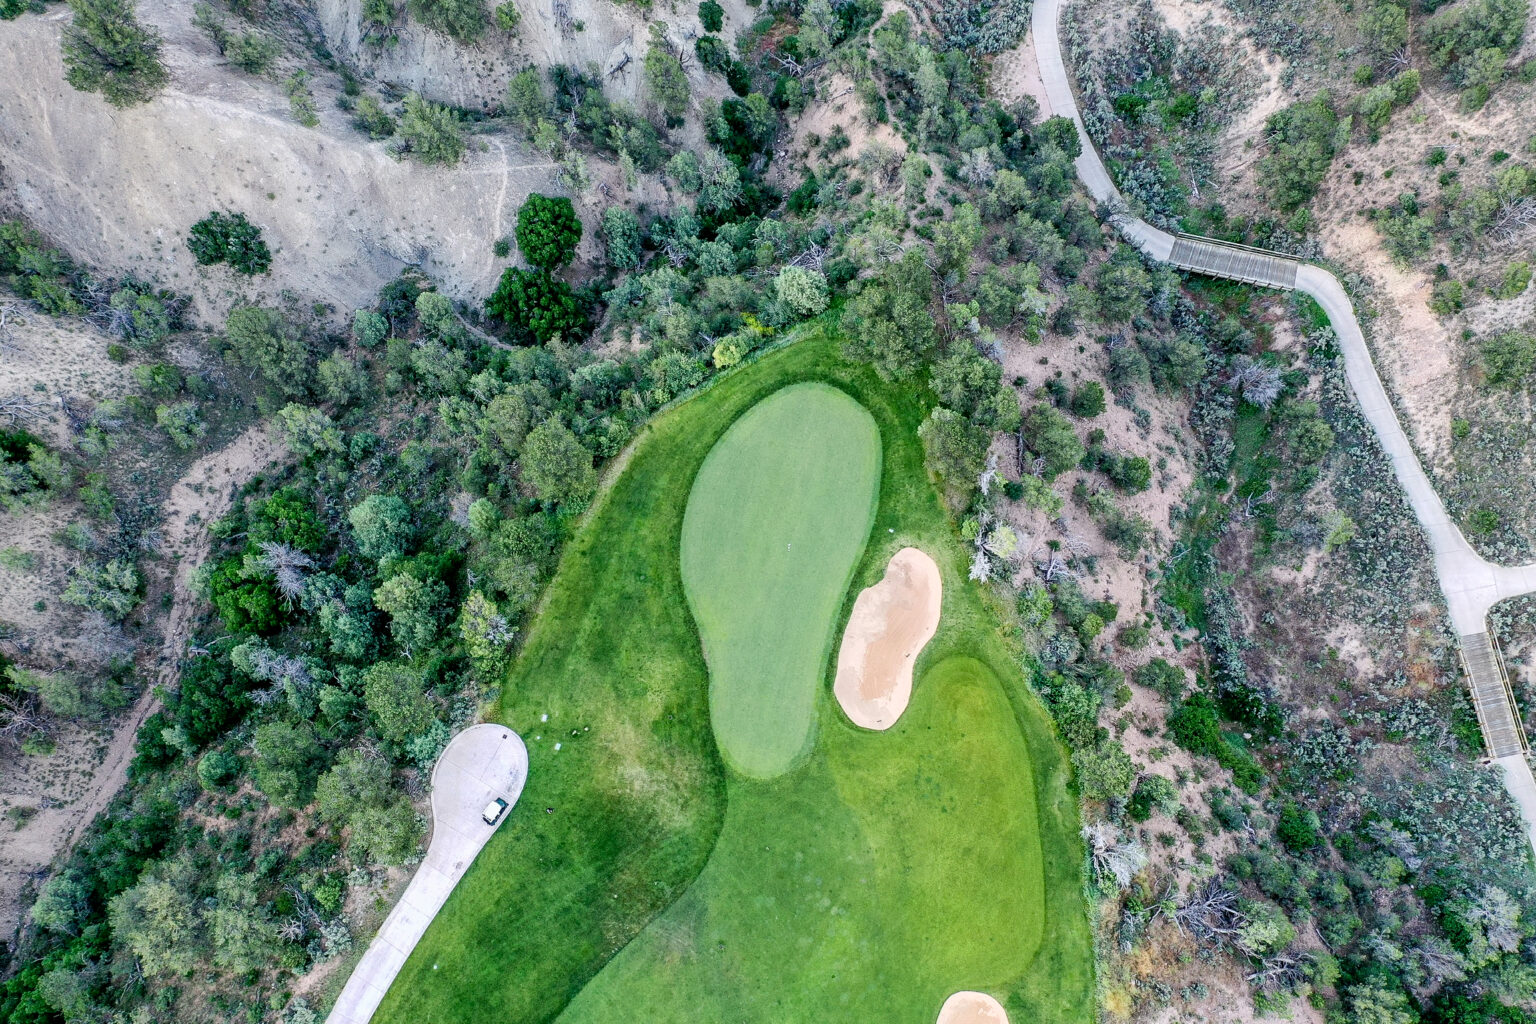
point(431, 133)
point(397, 701)
point(182, 423)
point(262, 339)
point(381, 525)
point(464, 20)
point(288, 762)
point(219, 769)
point(803, 291)
point(711, 16)
point(955, 239)
point(526, 101)
point(485, 631)
point(1298, 829)
point(342, 380)
point(955, 450)
point(622, 237)
point(665, 81)
point(1153, 794)
point(548, 231)
point(106, 50)
point(308, 431)
point(557, 465)
point(62, 904)
point(159, 921)
point(535, 305)
point(369, 328)
point(229, 238)
point(1302, 140)
point(1121, 286)
point(888, 323)
point(1049, 435)
point(1087, 399)
point(413, 607)
point(244, 936)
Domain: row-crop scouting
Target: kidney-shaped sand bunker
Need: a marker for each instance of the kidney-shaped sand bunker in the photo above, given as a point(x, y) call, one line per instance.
point(890, 625)
point(776, 521)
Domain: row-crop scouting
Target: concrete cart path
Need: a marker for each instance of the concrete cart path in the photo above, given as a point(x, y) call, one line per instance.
point(479, 764)
point(1472, 585)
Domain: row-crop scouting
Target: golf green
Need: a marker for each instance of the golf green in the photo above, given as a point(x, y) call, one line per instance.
point(775, 524)
point(638, 876)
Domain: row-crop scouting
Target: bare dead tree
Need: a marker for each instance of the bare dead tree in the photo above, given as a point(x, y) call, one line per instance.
point(287, 565)
point(1251, 504)
point(813, 258)
point(563, 20)
point(1282, 971)
point(1401, 59)
point(21, 406)
point(11, 316)
point(1212, 913)
point(1050, 566)
point(20, 716)
point(1513, 217)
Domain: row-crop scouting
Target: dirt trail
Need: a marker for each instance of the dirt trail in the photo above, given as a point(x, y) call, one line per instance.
point(196, 500)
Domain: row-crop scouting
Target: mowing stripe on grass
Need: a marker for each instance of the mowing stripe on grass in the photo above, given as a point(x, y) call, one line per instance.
point(775, 524)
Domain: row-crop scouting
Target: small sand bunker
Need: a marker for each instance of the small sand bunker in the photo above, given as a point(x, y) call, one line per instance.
point(891, 623)
point(972, 1008)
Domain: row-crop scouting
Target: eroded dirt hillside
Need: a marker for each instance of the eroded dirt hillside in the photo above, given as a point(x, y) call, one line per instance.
point(120, 187)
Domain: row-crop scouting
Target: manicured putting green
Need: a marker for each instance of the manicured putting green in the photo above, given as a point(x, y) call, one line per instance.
point(775, 524)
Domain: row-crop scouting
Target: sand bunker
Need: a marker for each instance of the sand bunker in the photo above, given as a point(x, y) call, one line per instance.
point(972, 1008)
point(891, 623)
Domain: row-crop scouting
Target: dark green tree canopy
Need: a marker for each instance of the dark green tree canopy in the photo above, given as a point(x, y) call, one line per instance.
point(536, 306)
point(229, 238)
point(548, 231)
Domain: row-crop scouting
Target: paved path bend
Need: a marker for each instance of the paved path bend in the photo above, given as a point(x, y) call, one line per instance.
point(1472, 585)
point(479, 764)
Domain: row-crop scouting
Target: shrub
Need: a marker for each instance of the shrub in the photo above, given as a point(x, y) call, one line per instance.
point(1049, 435)
point(1516, 279)
point(106, 50)
point(182, 423)
point(535, 305)
point(1298, 828)
point(229, 238)
point(803, 291)
point(463, 20)
point(711, 16)
point(1087, 399)
point(1508, 358)
point(548, 231)
point(621, 237)
point(430, 132)
point(1154, 794)
point(369, 116)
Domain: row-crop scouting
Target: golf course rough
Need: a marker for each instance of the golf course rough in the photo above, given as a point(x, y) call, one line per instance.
point(775, 524)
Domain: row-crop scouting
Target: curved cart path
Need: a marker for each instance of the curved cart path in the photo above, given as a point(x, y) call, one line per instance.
point(479, 764)
point(1472, 585)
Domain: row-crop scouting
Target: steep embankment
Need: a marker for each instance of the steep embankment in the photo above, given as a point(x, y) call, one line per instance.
point(119, 188)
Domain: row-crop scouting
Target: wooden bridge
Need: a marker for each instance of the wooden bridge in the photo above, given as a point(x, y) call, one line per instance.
point(1234, 262)
point(1503, 733)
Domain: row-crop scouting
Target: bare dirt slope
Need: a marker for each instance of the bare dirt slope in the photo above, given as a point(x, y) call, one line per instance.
point(63, 792)
point(612, 38)
point(119, 188)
